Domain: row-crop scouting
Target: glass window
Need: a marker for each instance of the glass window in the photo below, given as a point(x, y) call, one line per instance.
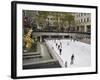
point(87, 19)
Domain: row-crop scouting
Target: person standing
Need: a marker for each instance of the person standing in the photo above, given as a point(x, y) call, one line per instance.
point(72, 59)
point(60, 50)
point(66, 64)
point(56, 44)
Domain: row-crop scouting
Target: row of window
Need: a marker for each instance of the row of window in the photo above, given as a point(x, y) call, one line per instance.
point(82, 28)
point(82, 14)
point(83, 20)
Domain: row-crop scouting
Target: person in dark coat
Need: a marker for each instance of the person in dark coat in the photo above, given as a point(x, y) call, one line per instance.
point(72, 59)
point(56, 44)
point(60, 50)
point(60, 44)
point(66, 64)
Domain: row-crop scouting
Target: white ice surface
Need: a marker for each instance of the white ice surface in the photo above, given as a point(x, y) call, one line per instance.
point(81, 51)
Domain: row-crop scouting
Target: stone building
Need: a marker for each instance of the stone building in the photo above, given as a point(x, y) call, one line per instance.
point(83, 22)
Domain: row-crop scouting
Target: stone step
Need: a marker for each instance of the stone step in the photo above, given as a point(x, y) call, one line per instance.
point(31, 53)
point(32, 56)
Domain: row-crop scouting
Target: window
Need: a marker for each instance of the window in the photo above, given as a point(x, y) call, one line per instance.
point(84, 14)
point(84, 20)
point(81, 14)
point(87, 19)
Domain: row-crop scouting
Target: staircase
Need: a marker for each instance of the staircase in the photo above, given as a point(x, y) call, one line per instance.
point(32, 55)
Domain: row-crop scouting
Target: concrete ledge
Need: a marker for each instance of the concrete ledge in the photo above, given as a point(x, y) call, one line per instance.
point(41, 62)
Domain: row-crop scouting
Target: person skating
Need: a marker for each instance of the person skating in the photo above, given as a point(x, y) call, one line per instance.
point(60, 50)
point(66, 64)
point(72, 59)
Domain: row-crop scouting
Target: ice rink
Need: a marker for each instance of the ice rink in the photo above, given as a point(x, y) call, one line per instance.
point(80, 50)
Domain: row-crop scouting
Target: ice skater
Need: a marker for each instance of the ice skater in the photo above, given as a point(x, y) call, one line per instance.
point(56, 44)
point(66, 64)
point(60, 50)
point(72, 59)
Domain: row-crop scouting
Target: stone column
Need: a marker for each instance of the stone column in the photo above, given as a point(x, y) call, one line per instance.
point(40, 38)
point(85, 28)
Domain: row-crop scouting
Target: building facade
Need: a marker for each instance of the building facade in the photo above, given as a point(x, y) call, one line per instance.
point(83, 22)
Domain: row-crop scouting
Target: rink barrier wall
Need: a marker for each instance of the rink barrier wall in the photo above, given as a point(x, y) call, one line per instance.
point(55, 55)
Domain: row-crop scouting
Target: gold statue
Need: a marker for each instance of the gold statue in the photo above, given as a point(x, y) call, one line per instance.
point(28, 40)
